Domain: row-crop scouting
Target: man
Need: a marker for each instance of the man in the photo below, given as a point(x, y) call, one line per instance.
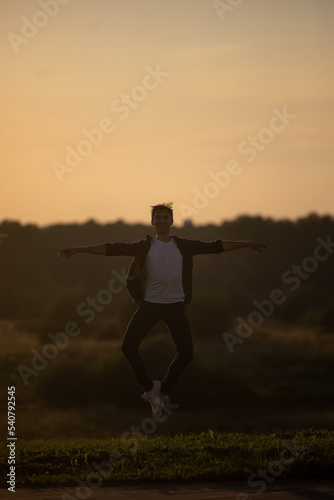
point(160, 282)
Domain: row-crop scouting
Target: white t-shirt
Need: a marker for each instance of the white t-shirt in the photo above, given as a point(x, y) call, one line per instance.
point(164, 273)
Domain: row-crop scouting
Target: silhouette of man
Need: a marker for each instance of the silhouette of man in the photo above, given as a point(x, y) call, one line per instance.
point(160, 282)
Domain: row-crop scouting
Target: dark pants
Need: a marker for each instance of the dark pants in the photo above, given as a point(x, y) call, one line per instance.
point(141, 323)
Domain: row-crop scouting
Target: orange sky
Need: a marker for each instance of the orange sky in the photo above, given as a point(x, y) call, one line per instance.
point(224, 111)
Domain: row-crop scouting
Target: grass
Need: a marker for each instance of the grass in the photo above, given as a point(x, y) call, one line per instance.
point(207, 456)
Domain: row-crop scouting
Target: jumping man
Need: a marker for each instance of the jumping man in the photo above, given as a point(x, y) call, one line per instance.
point(160, 282)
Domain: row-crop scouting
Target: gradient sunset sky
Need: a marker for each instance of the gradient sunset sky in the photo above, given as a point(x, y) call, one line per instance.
point(224, 108)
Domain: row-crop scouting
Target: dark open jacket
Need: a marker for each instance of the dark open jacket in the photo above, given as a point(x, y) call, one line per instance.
point(136, 278)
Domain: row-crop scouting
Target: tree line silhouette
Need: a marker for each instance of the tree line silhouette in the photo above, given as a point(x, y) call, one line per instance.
point(44, 292)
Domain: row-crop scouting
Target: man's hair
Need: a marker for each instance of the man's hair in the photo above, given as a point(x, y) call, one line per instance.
point(162, 206)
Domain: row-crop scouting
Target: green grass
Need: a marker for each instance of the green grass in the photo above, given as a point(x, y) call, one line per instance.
point(208, 456)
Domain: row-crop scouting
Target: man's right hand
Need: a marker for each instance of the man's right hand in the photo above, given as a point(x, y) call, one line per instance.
point(67, 252)
point(94, 249)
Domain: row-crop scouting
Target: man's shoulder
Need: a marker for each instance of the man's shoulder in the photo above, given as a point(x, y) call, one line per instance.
point(177, 238)
point(143, 243)
point(183, 240)
point(128, 248)
point(198, 246)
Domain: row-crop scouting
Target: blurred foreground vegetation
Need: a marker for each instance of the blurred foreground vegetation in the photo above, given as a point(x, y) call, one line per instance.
point(208, 456)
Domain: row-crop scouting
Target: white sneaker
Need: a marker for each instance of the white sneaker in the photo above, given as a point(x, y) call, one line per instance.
point(154, 398)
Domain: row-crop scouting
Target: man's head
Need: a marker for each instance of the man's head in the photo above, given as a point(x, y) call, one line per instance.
point(162, 212)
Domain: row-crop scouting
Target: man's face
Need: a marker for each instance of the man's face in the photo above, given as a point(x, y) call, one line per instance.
point(162, 221)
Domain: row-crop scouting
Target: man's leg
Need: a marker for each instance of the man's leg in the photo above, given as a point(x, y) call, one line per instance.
point(179, 328)
point(140, 324)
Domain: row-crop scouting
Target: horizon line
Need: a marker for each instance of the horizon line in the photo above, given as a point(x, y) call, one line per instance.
point(186, 222)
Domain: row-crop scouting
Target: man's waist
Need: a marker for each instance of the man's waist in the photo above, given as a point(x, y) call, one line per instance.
point(162, 304)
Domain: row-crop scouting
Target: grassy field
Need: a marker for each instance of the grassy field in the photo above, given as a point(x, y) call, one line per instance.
point(281, 377)
point(206, 456)
point(70, 420)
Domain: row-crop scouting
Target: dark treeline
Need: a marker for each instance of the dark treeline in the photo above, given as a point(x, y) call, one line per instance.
point(44, 293)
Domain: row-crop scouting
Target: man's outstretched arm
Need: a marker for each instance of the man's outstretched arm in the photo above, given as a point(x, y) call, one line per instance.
point(235, 245)
point(94, 249)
